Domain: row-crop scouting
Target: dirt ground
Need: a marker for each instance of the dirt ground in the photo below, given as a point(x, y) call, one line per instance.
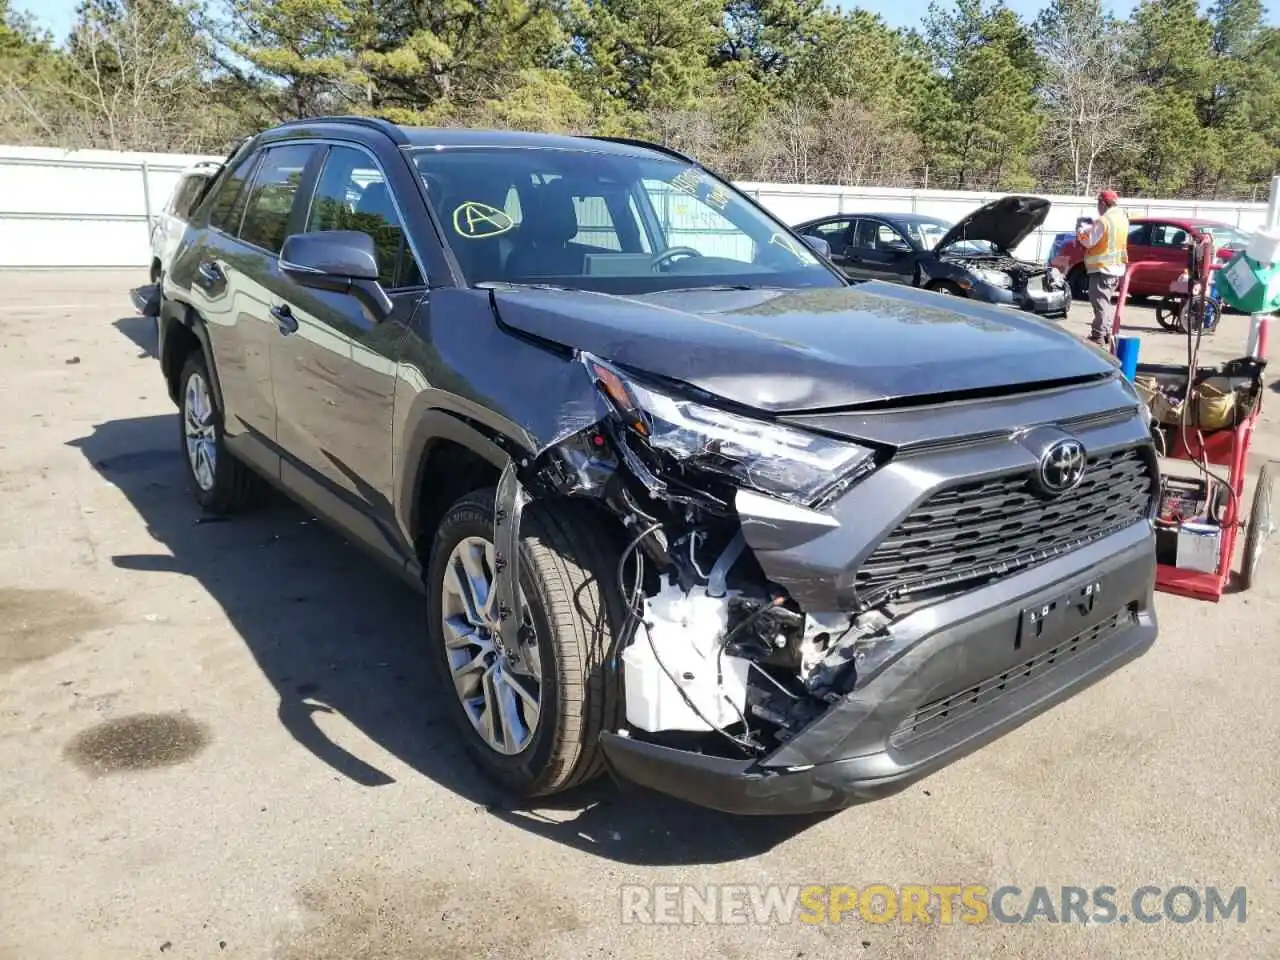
point(216, 738)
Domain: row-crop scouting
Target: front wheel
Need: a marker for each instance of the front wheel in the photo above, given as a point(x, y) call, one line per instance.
point(530, 717)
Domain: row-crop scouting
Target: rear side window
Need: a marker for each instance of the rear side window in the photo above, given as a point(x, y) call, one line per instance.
point(833, 233)
point(266, 215)
point(185, 195)
point(352, 194)
point(228, 203)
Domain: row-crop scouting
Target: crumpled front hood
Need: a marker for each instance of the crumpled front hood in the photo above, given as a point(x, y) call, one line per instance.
point(1005, 222)
point(785, 351)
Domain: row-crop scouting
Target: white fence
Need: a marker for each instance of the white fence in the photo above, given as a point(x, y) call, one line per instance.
point(92, 208)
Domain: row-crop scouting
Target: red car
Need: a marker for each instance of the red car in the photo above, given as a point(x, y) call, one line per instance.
point(1153, 238)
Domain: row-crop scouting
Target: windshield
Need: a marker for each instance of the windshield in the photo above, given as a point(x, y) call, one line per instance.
point(1227, 236)
point(615, 224)
point(925, 232)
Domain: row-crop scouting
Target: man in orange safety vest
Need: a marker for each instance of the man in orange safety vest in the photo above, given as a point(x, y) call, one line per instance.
point(1106, 254)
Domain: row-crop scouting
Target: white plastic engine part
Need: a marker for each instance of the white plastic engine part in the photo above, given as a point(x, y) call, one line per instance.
point(682, 633)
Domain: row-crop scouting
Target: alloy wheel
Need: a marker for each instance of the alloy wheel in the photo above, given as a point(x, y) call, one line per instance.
point(200, 432)
point(500, 688)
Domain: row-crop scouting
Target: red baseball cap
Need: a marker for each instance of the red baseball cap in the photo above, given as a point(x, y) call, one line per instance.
point(1110, 196)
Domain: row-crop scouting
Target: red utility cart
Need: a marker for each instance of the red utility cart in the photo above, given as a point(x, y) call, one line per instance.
point(1226, 447)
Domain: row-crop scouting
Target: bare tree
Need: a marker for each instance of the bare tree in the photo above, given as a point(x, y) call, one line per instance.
point(130, 79)
point(1088, 95)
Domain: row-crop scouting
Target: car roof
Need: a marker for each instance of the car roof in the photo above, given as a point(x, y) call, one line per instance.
point(455, 138)
point(1184, 221)
point(460, 137)
point(898, 217)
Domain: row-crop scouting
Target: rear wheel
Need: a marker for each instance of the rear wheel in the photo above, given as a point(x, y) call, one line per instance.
point(531, 717)
point(1261, 525)
point(223, 484)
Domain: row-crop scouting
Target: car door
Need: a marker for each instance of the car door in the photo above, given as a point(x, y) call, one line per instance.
point(836, 232)
point(334, 366)
point(1139, 249)
point(880, 252)
point(1169, 244)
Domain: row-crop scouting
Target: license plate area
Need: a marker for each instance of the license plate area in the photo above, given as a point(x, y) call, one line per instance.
point(1060, 617)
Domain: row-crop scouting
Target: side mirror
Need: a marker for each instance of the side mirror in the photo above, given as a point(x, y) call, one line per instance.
point(819, 246)
point(899, 248)
point(342, 261)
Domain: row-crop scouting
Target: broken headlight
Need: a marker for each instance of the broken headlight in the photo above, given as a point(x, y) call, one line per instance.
point(791, 465)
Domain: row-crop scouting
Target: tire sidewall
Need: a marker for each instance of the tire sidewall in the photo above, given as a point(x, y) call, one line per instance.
point(521, 773)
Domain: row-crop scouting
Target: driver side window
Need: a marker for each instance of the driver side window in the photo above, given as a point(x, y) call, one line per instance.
point(352, 194)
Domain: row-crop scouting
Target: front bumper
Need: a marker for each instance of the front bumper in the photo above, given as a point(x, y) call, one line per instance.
point(963, 673)
point(1053, 304)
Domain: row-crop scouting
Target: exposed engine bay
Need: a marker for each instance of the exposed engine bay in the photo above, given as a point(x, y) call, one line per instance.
point(1021, 272)
point(712, 657)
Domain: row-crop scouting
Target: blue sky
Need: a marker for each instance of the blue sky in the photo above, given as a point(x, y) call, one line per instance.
point(57, 14)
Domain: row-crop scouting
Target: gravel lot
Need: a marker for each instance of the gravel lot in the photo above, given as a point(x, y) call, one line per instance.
point(215, 739)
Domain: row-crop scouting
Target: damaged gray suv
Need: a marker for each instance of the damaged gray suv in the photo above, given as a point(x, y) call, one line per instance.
point(686, 505)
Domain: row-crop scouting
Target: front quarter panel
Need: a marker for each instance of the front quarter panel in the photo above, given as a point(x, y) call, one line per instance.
point(462, 377)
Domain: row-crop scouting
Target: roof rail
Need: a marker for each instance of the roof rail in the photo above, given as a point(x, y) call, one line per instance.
point(372, 123)
point(634, 142)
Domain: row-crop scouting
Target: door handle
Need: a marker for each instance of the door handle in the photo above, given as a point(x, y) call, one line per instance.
point(286, 322)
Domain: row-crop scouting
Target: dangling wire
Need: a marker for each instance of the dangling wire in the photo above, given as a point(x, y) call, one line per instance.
point(635, 615)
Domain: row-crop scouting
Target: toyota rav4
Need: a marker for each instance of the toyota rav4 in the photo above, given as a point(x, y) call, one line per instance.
point(685, 504)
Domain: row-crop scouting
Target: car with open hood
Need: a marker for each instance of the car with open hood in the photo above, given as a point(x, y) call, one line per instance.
point(973, 258)
point(684, 503)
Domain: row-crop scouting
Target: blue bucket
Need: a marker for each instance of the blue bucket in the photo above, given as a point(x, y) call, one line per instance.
point(1127, 354)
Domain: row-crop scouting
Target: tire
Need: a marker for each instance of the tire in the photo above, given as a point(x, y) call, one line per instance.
point(567, 573)
point(1078, 283)
point(229, 486)
point(1167, 311)
point(1261, 526)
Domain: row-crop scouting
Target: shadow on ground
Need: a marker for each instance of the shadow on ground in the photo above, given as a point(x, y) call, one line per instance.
point(335, 633)
point(142, 331)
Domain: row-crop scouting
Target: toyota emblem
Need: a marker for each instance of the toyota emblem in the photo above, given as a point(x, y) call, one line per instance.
point(1062, 466)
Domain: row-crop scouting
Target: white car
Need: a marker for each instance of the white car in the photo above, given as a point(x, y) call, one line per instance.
point(168, 225)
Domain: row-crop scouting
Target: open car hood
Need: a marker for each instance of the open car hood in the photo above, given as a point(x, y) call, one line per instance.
point(1005, 223)
point(785, 351)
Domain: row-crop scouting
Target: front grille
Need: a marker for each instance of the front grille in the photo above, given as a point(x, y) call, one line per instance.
point(989, 528)
point(939, 713)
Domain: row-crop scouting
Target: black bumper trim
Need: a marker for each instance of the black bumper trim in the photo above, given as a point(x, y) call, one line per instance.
point(743, 787)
